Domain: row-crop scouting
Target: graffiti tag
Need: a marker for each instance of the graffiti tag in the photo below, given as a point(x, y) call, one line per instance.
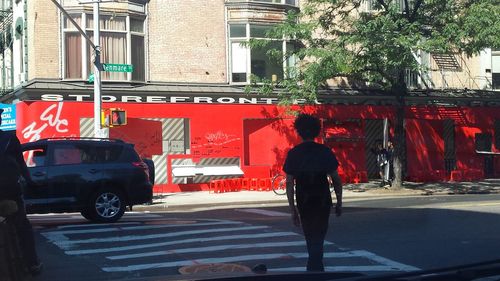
point(50, 118)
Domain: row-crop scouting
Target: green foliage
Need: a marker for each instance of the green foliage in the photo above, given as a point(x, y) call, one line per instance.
point(337, 39)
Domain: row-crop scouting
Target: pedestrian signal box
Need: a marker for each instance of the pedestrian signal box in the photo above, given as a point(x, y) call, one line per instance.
point(113, 117)
point(118, 117)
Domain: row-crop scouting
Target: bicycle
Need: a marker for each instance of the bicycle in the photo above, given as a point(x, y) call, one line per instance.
point(278, 184)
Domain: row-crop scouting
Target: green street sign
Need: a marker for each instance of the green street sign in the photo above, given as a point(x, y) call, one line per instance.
point(113, 67)
point(91, 78)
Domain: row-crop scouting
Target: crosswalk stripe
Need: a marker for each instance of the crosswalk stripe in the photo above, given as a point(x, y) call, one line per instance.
point(59, 238)
point(142, 227)
point(94, 225)
point(257, 257)
point(210, 249)
point(351, 268)
point(264, 212)
point(385, 261)
point(162, 244)
point(71, 243)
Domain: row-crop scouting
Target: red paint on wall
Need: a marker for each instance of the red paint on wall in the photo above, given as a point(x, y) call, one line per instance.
point(146, 135)
point(425, 148)
point(260, 135)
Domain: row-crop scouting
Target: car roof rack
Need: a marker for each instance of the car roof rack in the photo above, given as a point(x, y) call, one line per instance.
point(82, 138)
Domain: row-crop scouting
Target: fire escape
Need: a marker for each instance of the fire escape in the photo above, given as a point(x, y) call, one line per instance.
point(449, 64)
point(6, 18)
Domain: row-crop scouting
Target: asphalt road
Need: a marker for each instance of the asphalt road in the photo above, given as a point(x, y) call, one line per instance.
point(372, 236)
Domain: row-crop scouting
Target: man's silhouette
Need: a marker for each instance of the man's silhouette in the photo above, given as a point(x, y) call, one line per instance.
point(12, 168)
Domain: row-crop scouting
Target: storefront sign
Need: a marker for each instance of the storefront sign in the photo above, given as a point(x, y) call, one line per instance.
point(254, 99)
point(8, 117)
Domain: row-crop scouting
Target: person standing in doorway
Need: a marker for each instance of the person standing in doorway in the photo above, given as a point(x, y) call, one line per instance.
point(390, 164)
point(382, 162)
point(13, 167)
point(307, 167)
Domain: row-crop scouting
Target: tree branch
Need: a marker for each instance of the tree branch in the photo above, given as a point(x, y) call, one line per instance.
point(416, 7)
point(407, 8)
point(382, 2)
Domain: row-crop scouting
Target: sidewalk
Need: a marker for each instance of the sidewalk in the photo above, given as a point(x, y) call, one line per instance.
point(202, 200)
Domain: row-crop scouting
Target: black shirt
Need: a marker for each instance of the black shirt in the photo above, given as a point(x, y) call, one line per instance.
point(310, 163)
point(12, 165)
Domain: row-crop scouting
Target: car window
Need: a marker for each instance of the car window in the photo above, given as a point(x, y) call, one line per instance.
point(130, 155)
point(109, 153)
point(68, 154)
point(36, 156)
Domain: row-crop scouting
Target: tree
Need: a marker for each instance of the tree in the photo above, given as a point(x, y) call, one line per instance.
point(336, 39)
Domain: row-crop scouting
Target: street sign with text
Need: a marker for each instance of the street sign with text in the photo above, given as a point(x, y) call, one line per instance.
point(113, 67)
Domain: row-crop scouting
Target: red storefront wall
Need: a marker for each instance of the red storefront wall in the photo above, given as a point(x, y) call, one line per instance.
point(260, 135)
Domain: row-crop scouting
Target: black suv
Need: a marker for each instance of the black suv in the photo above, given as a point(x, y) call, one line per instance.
point(97, 177)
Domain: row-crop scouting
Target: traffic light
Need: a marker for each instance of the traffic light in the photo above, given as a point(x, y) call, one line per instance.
point(117, 117)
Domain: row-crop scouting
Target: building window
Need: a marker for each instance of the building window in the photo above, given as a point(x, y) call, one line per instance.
point(246, 61)
point(287, 2)
point(72, 49)
point(121, 41)
point(374, 5)
point(495, 69)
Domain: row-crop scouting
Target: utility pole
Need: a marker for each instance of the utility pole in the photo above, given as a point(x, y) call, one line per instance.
point(99, 132)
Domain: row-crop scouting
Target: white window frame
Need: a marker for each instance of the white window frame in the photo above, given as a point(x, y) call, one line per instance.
point(245, 39)
point(87, 56)
point(278, 2)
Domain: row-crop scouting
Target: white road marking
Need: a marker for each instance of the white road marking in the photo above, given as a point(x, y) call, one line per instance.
point(351, 268)
point(141, 227)
point(264, 212)
point(258, 257)
point(176, 242)
point(203, 261)
point(60, 239)
point(67, 244)
point(95, 224)
point(210, 249)
point(385, 261)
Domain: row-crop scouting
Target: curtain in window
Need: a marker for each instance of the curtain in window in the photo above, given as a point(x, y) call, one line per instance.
point(73, 60)
point(113, 50)
point(137, 49)
point(239, 62)
point(107, 23)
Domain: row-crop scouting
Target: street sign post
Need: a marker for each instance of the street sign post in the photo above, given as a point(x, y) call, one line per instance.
point(96, 78)
point(113, 67)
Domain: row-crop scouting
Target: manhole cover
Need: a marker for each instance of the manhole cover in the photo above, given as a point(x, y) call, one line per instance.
point(213, 268)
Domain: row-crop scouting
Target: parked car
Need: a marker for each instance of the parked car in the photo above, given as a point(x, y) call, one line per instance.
point(96, 177)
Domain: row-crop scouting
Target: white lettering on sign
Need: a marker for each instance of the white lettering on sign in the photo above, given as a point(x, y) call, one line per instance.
point(226, 100)
point(202, 100)
point(108, 98)
point(131, 98)
point(153, 99)
point(161, 99)
point(178, 99)
point(245, 100)
point(79, 97)
point(50, 118)
point(50, 97)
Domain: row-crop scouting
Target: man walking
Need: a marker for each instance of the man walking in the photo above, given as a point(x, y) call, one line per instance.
point(12, 167)
point(307, 167)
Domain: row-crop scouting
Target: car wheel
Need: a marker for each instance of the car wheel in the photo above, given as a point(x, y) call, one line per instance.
point(107, 205)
